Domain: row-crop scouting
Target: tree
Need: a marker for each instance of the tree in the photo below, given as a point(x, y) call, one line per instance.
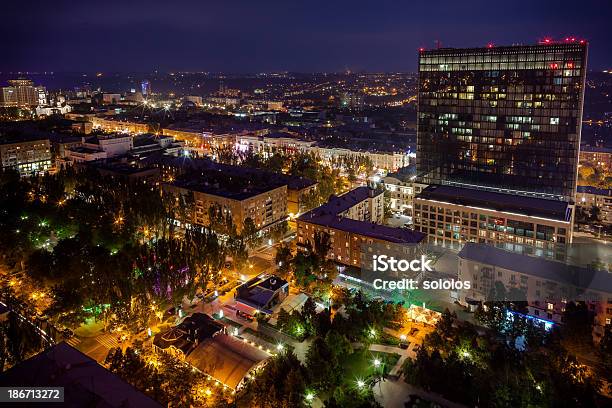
point(577, 324)
point(605, 354)
point(321, 245)
point(249, 230)
point(283, 259)
point(282, 383)
point(323, 365)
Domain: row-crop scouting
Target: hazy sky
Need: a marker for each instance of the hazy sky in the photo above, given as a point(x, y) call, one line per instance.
point(270, 35)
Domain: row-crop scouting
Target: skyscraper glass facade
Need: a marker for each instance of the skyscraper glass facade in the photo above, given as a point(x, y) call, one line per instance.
point(502, 118)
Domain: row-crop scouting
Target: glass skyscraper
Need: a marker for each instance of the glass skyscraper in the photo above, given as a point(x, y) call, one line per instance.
point(504, 119)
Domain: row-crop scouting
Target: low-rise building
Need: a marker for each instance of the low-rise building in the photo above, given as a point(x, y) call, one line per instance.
point(588, 197)
point(84, 382)
point(111, 125)
point(182, 339)
point(388, 161)
point(26, 154)
point(452, 216)
point(298, 188)
point(597, 156)
point(204, 343)
point(260, 295)
point(401, 188)
point(111, 98)
point(266, 144)
point(241, 195)
point(99, 147)
point(352, 222)
point(546, 285)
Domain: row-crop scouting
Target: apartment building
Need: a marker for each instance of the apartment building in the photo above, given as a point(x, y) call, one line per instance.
point(124, 126)
point(597, 156)
point(353, 222)
point(26, 155)
point(452, 216)
point(588, 197)
point(240, 194)
point(546, 285)
point(22, 93)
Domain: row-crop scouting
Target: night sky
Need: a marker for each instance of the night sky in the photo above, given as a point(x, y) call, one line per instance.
point(304, 36)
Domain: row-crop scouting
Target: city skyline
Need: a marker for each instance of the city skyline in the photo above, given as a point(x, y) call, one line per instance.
point(306, 205)
point(247, 38)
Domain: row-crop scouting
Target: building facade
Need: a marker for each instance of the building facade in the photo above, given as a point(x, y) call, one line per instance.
point(265, 205)
point(588, 197)
point(22, 93)
point(111, 125)
point(600, 157)
point(452, 217)
point(352, 222)
point(497, 124)
point(547, 286)
point(26, 156)
point(504, 118)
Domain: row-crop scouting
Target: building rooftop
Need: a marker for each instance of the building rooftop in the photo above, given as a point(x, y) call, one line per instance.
point(594, 190)
point(16, 132)
point(368, 229)
point(339, 204)
point(404, 174)
point(258, 292)
point(229, 181)
point(595, 149)
point(190, 332)
point(85, 382)
point(298, 183)
point(85, 149)
point(553, 45)
point(519, 204)
point(581, 277)
point(226, 359)
point(327, 215)
point(229, 185)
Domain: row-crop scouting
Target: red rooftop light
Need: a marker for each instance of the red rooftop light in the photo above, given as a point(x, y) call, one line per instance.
point(490, 45)
point(421, 49)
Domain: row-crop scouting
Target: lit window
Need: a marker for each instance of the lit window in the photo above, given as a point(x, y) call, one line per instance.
point(554, 121)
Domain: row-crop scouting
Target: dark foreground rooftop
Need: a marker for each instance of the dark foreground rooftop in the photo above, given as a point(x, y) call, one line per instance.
point(85, 382)
point(519, 204)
